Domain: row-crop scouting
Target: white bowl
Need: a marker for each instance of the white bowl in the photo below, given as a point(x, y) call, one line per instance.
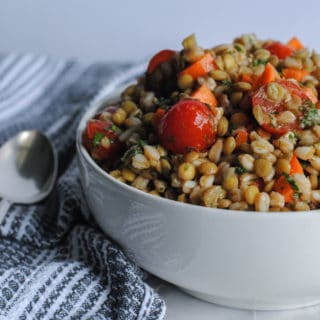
point(263, 261)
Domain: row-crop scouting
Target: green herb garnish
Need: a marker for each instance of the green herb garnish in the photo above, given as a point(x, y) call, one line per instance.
point(131, 152)
point(292, 183)
point(291, 137)
point(142, 143)
point(226, 83)
point(241, 170)
point(238, 48)
point(114, 128)
point(258, 62)
point(136, 151)
point(273, 121)
point(162, 102)
point(311, 117)
point(98, 136)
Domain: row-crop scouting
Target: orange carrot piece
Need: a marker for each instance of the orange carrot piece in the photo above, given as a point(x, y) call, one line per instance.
point(282, 186)
point(297, 74)
point(200, 67)
point(310, 94)
point(205, 95)
point(269, 74)
point(295, 44)
point(247, 77)
point(241, 136)
point(295, 165)
point(158, 116)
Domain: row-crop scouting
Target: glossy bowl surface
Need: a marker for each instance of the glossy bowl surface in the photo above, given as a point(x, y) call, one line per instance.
point(263, 261)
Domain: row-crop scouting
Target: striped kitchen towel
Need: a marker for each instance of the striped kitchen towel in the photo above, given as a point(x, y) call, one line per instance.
point(55, 263)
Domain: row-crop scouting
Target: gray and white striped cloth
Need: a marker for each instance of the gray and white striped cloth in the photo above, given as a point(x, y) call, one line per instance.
point(55, 263)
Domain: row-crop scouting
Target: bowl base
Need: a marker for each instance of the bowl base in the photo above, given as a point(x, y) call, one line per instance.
point(240, 304)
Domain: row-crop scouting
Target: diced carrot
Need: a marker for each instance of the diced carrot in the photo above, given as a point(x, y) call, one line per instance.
point(310, 94)
point(201, 67)
point(295, 165)
point(158, 116)
point(279, 49)
point(247, 77)
point(282, 186)
point(295, 44)
point(205, 95)
point(269, 74)
point(241, 136)
point(297, 74)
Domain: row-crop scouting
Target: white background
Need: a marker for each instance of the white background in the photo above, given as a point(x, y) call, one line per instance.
point(121, 30)
point(130, 30)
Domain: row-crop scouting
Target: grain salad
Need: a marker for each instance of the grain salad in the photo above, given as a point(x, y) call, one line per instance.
point(235, 126)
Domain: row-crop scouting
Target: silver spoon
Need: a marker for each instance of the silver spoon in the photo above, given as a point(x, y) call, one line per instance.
point(28, 169)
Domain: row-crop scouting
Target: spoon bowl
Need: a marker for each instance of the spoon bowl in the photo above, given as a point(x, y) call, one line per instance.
point(28, 168)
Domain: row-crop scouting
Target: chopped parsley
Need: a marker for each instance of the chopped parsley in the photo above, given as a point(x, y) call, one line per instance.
point(241, 170)
point(238, 48)
point(273, 121)
point(162, 102)
point(131, 152)
point(98, 136)
point(291, 137)
point(258, 62)
point(311, 117)
point(292, 183)
point(226, 83)
point(114, 128)
point(142, 143)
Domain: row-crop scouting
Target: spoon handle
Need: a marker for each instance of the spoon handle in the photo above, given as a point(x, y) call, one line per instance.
point(4, 207)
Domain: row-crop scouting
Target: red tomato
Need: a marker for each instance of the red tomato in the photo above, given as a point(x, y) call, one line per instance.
point(272, 110)
point(280, 50)
point(160, 57)
point(188, 125)
point(158, 116)
point(279, 131)
point(95, 131)
point(95, 126)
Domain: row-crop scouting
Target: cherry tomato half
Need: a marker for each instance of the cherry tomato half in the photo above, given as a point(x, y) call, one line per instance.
point(95, 131)
point(278, 116)
point(188, 125)
point(278, 49)
point(160, 57)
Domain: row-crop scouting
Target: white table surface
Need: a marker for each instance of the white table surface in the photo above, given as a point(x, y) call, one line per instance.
point(131, 30)
point(181, 306)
